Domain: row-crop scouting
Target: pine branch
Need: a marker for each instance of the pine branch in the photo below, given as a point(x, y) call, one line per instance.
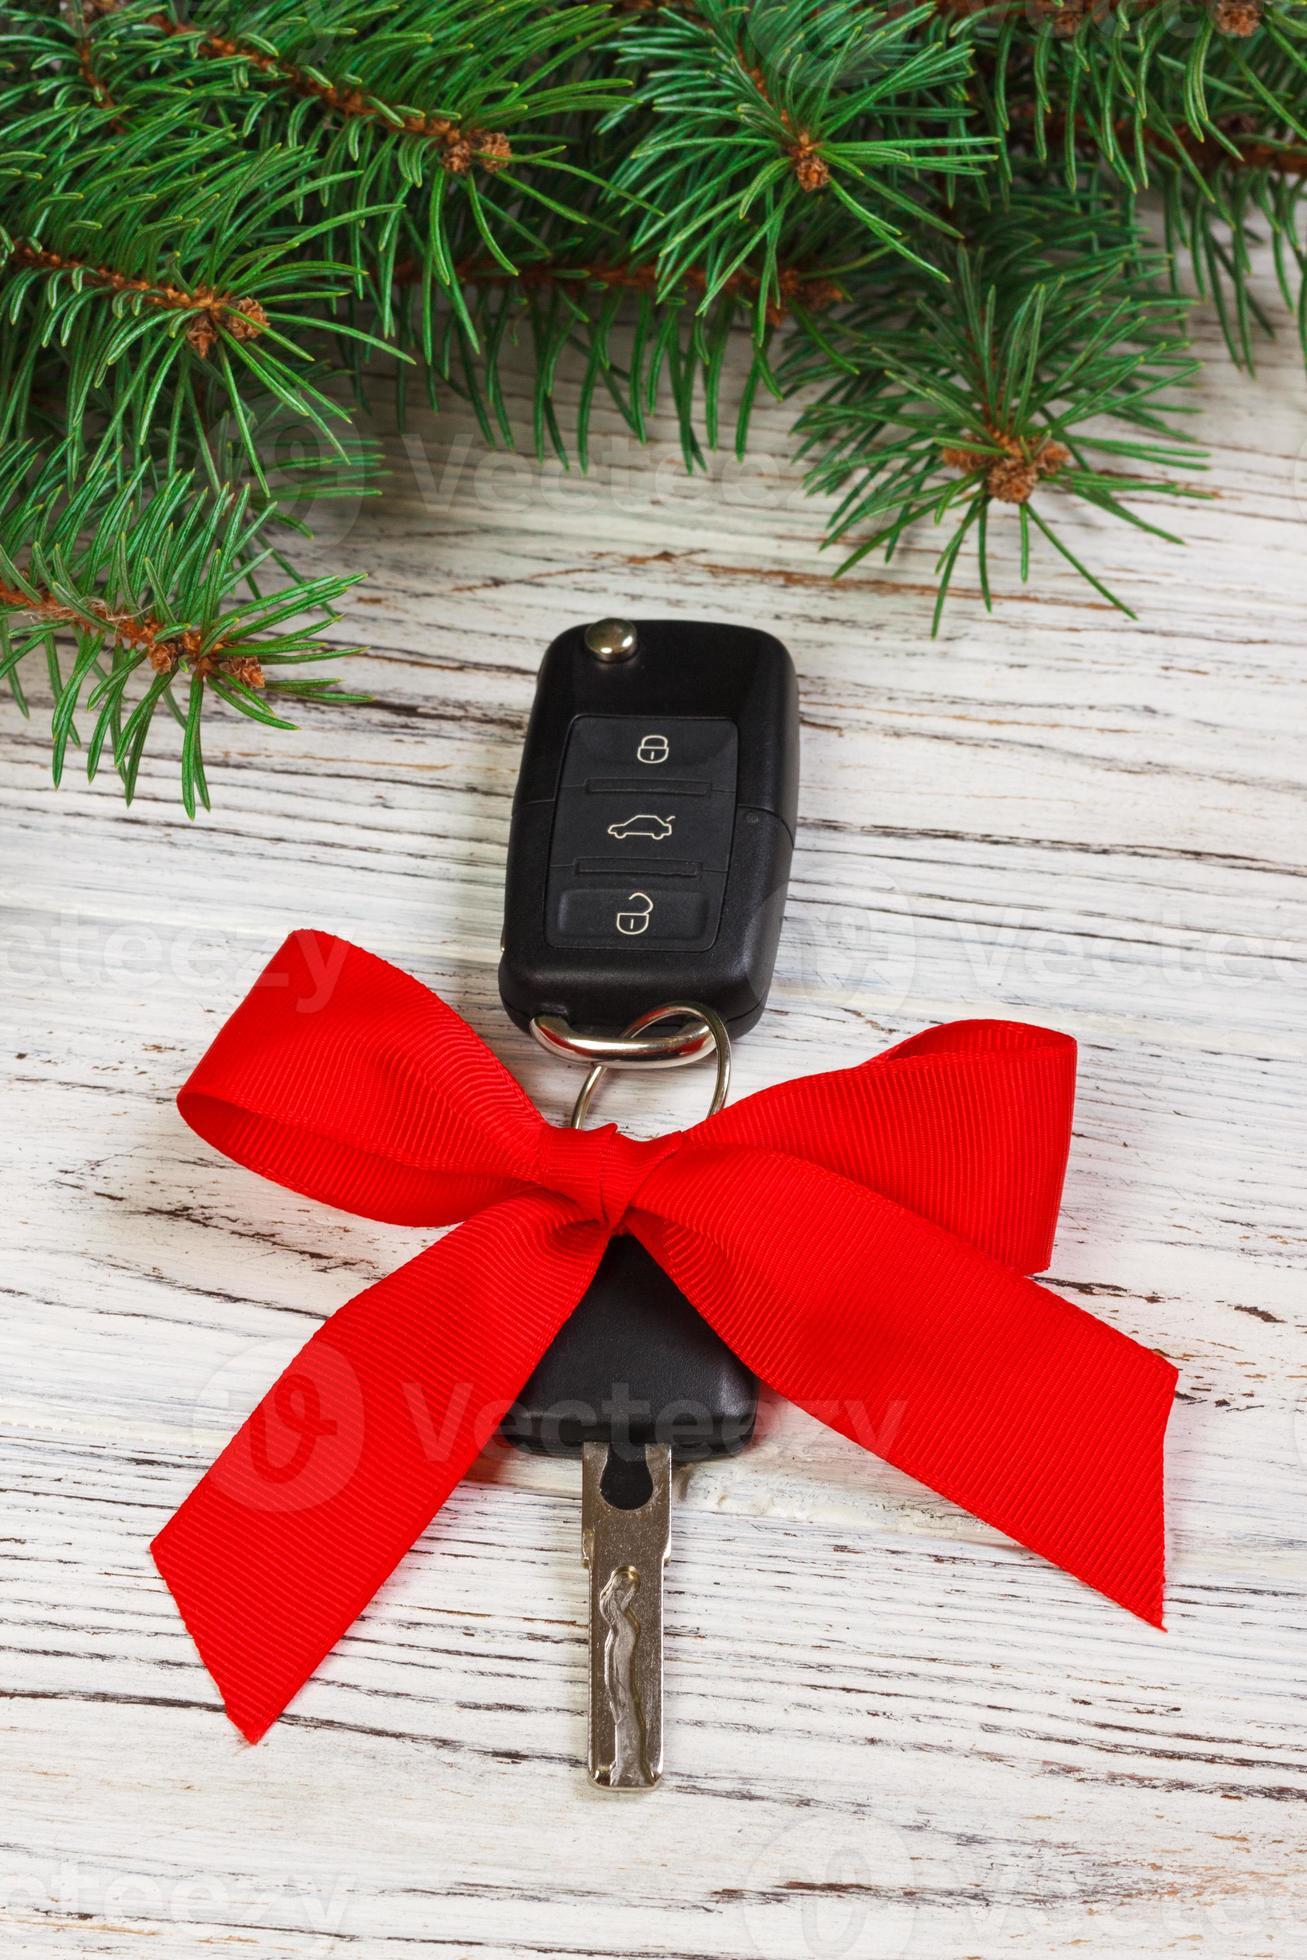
point(1123, 82)
point(209, 312)
point(169, 270)
point(779, 122)
point(459, 145)
point(448, 118)
point(995, 391)
point(222, 221)
point(165, 611)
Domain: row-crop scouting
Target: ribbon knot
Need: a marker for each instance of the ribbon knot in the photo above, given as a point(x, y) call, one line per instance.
point(862, 1239)
point(600, 1170)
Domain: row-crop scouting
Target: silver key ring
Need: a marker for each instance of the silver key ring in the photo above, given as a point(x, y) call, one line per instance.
point(671, 1050)
point(717, 1034)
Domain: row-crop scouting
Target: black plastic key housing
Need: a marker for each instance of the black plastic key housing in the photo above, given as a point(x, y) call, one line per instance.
point(653, 827)
point(635, 1364)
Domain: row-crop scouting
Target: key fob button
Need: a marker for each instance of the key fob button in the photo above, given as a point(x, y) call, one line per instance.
point(630, 914)
point(667, 835)
point(646, 753)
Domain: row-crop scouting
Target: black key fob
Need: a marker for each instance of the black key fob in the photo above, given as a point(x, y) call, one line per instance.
point(648, 862)
point(653, 824)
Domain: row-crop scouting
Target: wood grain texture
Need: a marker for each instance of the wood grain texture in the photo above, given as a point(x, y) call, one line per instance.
point(889, 1730)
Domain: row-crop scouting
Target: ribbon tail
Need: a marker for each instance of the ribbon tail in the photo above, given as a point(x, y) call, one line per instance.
point(1010, 1401)
point(353, 1450)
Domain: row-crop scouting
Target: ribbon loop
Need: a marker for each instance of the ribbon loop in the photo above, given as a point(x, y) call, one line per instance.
point(860, 1238)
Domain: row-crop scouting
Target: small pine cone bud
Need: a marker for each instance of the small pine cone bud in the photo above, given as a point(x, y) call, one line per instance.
point(812, 171)
point(245, 318)
point(241, 318)
point(813, 294)
point(162, 659)
point(822, 293)
point(818, 294)
point(1237, 18)
point(201, 333)
point(1011, 480)
point(457, 158)
point(493, 150)
point(247, 668)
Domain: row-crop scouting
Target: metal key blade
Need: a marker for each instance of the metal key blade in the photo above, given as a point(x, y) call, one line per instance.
point(625, 1536)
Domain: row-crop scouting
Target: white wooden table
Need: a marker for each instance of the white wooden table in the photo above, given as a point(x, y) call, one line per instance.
point(890, 1731)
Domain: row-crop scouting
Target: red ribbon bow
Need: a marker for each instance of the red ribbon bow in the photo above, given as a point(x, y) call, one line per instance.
point(859, 1238)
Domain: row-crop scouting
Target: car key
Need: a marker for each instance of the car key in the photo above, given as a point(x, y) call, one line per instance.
point(634, 1379)
point(648, 863)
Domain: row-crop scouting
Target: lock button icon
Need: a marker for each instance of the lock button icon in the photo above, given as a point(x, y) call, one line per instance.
point(652, 748)
point(635, 915)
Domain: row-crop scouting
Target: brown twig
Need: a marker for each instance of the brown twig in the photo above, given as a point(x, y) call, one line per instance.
point(89, 75)
point(243, 319)
point(1209, 155)
point(1236, 18)
point(460, 146)
point(1204, 150)
point(813, 292)
point(165, 654)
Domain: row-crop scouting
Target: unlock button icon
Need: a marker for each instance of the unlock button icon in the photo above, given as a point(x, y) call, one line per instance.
point(635, 916)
